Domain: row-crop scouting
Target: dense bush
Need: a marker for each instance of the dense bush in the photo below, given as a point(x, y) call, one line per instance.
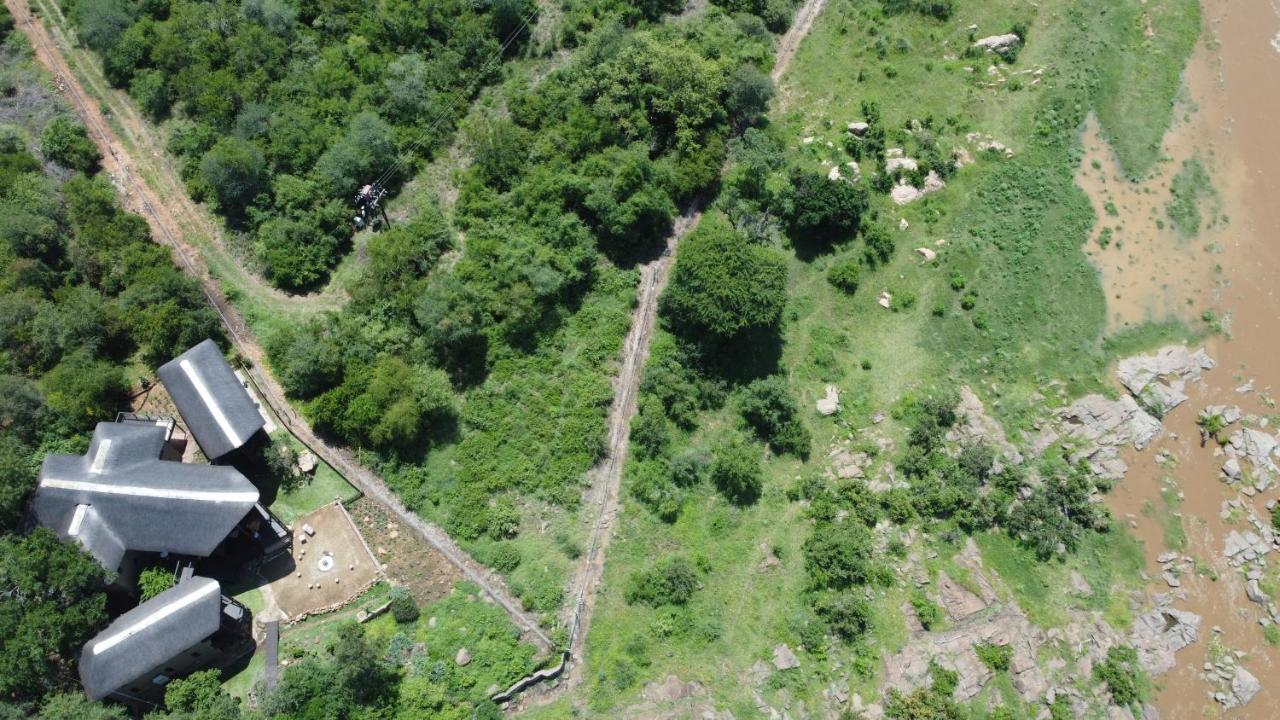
point(153, 581)
point(65, 142)
point(840, 555)
point(326, 94)
point(1122, 674)
point(770, 410)
point(723, 286)
point(671, 581)
point(995, 657)
point(403, 607)
point(736, 470)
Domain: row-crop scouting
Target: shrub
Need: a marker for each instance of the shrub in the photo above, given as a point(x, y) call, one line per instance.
point(1120, 671)
point(671, 581)
point(153, 581)
point(927, 610)
point(844, 275)
point(736, 471)
point(995, 657)
point(650, 432)
point(503, 557)
point(65, 142)
point(880, 245)
point(403, 607)
point(769, 409)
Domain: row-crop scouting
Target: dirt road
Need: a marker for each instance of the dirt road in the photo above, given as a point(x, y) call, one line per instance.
point(606, 478)
point(790, 41)
point(138, 196)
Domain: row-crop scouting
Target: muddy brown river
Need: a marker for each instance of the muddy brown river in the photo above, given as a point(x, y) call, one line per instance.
point(1230, 121)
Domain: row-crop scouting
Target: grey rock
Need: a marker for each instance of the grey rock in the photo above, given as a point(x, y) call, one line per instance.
point(1254, 592)
point(998, 43)
point(784, 659)
point(1244, 686)
point(463, 657)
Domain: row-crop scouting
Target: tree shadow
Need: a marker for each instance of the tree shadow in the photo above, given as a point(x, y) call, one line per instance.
point(750, 355)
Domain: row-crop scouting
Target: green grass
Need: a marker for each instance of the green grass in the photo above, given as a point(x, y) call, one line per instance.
point(1190, 189)
point(1110, 562)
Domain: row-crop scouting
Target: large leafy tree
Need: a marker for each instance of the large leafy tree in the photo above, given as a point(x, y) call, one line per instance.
point(722, 285)
point(53, 600)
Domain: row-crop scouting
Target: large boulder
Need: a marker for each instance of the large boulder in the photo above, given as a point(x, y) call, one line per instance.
point(998, 43)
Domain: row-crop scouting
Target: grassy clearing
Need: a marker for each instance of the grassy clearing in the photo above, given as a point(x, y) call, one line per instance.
point(1111, 563)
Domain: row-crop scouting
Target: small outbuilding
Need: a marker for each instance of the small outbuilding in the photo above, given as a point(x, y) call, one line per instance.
point(211, 400)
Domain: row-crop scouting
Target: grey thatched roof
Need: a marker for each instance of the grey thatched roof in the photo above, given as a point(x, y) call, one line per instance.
point(215, 406)
point(149, 635)
point(120, 496)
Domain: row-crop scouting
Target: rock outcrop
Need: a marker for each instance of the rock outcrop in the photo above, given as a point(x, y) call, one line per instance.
point(1158, 380)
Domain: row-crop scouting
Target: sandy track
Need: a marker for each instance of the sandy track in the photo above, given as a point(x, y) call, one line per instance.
point(138, 197)
point(790, 42)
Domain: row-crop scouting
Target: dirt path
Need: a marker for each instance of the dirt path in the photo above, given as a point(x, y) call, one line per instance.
point(138, 197)
point(141, 149)
point(606, 478)
point(790, 42)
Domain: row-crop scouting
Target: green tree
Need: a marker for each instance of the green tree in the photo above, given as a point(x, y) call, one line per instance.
point(84, 390)
point(101, 22)
point(54, 601)
point(297, 254)
point(75, 706)
point(749, 92)
point(357, 158)
point(65, 142)
point(722, 285)
point(153, 581)
point(824, 210)
point(236, 172)
point(736, 471)
point(17, 478)
point(840, 555)
point(199, 697)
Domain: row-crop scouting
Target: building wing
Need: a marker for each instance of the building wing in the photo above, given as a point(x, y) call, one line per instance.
point(120, 496)
point(148, 636)
point(215, 406)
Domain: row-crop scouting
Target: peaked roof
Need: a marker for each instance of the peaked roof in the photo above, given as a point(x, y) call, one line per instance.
point(149, 635)
point(120, 496)
point(210, 398)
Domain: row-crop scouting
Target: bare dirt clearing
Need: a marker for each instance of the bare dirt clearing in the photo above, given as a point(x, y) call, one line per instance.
point(330, 566)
